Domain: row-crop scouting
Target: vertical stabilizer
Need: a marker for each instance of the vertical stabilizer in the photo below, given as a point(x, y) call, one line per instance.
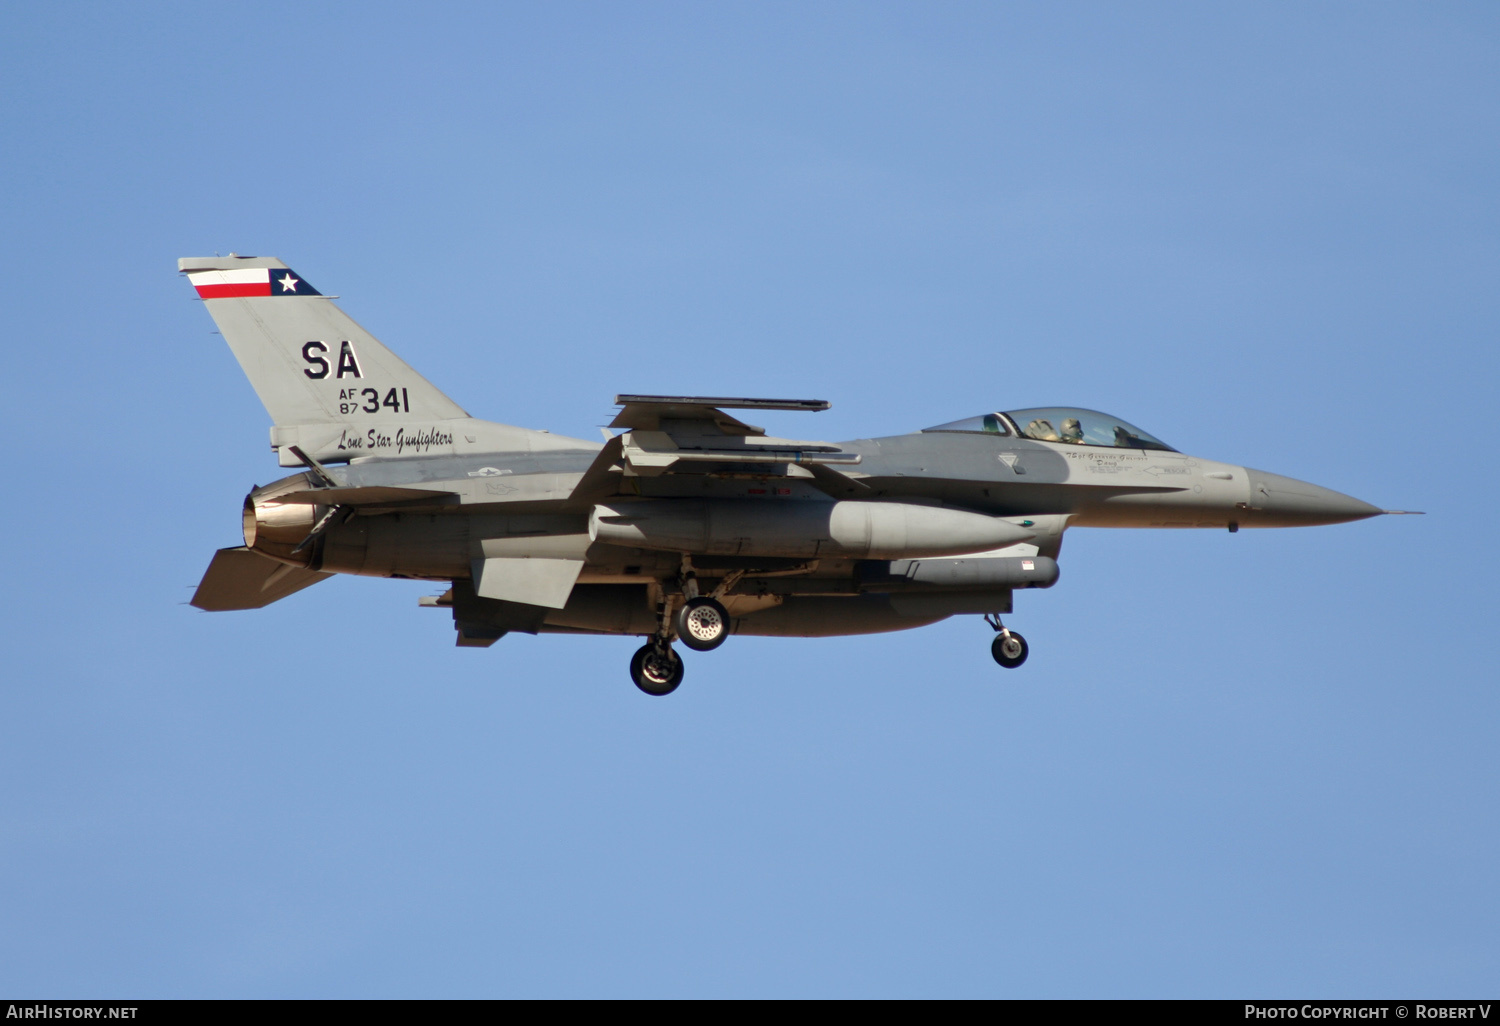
point(307, 359)
point(331, 387)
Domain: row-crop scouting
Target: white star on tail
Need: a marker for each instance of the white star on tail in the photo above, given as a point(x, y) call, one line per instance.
point(288, 284)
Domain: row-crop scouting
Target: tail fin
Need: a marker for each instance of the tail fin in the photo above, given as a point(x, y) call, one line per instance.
point(330, 387)
point(307, 360)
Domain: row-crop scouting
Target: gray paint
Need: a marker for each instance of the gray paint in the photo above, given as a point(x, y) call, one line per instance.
point(537, 532)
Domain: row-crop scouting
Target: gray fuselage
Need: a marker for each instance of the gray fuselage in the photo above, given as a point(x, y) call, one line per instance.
point(792, 581)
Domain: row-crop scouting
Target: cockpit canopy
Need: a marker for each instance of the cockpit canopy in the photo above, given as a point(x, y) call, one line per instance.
point(1060, 424)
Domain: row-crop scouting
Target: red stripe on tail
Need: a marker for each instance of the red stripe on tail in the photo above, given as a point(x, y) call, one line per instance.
point(250, 288)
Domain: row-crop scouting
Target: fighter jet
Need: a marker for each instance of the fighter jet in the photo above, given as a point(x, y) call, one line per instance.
point(687, 523)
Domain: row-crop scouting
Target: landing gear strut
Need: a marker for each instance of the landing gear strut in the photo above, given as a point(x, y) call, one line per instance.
point(701, 623)
point(655, 668)
point(1008, 648)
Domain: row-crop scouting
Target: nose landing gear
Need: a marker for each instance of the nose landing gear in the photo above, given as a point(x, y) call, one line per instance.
point(1008, 648)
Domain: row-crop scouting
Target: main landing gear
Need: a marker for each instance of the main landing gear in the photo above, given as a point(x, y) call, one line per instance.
point(655, 668)
point(1008, 648)
point(702, 624)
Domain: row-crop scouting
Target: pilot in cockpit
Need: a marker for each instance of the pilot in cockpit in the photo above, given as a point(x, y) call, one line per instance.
point(1042, 431)
point(1072, 431)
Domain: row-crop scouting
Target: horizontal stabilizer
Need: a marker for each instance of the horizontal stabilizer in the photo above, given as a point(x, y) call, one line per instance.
point(242, 579)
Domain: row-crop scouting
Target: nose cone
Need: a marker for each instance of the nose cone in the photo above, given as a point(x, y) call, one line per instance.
point(1277, 501)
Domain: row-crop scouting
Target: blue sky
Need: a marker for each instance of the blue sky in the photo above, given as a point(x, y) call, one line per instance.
point(1256, 764)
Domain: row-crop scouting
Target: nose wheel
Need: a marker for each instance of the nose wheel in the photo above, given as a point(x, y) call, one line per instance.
point(1008, 648)
point(656, 669)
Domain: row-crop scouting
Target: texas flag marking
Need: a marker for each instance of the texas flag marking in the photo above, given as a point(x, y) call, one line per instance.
point(251, 281)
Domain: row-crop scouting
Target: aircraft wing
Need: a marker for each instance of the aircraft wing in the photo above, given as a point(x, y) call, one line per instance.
point(647, 411)
point(369, 495)
point(241, 579)
point(690, 434)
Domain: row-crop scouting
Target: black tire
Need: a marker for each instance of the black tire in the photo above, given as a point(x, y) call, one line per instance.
point(656, 671)
point(702, 624)
point(1010, 650)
